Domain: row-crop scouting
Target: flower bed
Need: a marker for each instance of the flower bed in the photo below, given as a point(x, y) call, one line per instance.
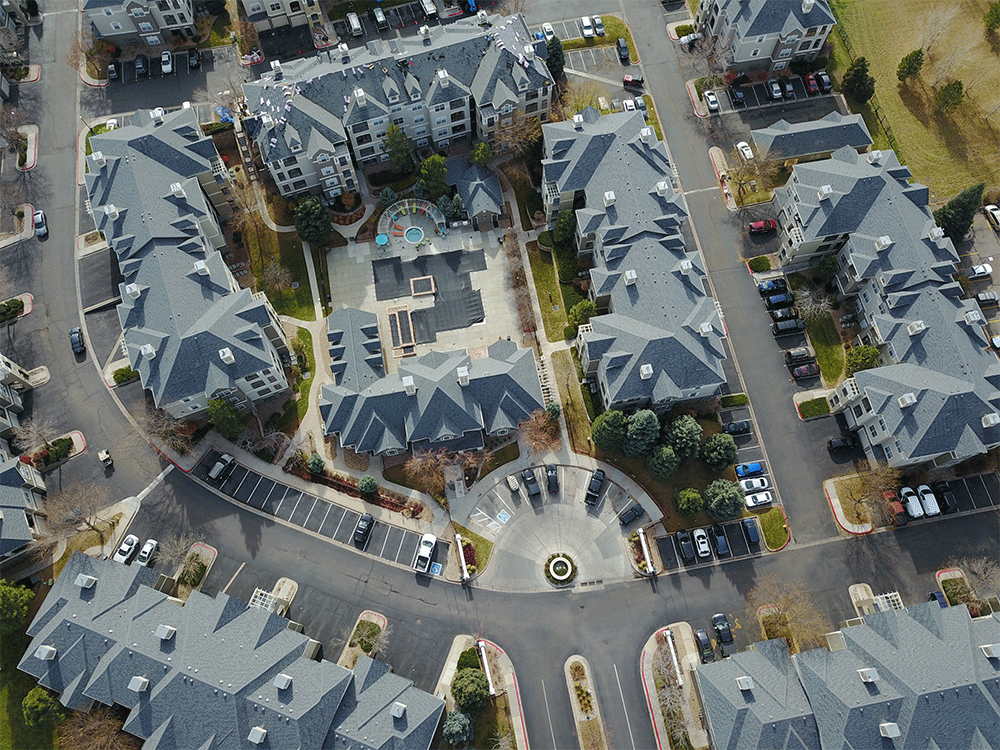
point(52, 453)
point(560, 569)
point(349, 486)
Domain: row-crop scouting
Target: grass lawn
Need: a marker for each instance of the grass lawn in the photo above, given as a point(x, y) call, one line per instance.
point(615, 28)
point(82, 541)
point(824, 338)
point(489, 721)
point(96, 130)
point(544, 274)
point(855, 513)
point(221, 33)
point(590, 734)
point(14, 685)
point(505, 455)
point(524, 194)
point(945, 152)
point(573, 407)
point(772, 523)
point(654, 119)
point(483, 546)
point(295, 409)
point(268, 247)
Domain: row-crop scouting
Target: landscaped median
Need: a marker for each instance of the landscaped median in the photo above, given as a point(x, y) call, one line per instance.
point(371, 630)
point(674, 708)
point(590, 731)
point(774, 525)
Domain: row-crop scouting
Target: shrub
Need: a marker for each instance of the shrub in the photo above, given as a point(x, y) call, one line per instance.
point(228, 420)
point(643, 429)
point(663, 462)
point(125, 375)
point(60, 448)
point(457, 728)
point(312, 221)
point(316, 464)
point(609, 431)
point(734, 399)
point(565, 227)
point(545, 239)
point(760, 263)
point(470, 689)
point(688, 501)
point(581, 313)
point(554, 410)
point(684, 29)
point(193, 571)
point(724, 500)
point(569, 332)
point(815, 407)
point(719, 451)
point(11, 309)
point(40, 708)
point(367, 485)
point(861, 358)
point(468, 659)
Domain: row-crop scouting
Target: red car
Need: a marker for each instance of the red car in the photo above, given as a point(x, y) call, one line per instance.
point(812, 85)
point(633, 81)
point(806, 371)
point(764, 225)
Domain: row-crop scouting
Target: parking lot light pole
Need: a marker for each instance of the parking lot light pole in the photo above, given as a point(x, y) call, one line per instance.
point(90, 128)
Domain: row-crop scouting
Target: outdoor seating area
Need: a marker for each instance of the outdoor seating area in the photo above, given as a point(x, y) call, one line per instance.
point(410, 220)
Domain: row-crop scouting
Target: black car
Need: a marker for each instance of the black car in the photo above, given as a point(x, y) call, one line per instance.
point(737, 428)
point(825, 84)
point(631, 514)
point(750, 531)
point(552, 478)
point(718, 537)
point(76, 340)
point(363, 530)
point(722, 630)
point(194, 59)
point(686, 546)
point(776, 301)
point(622, 46)
point(705, 650)
point(786, 88)
point(531, 483)
point(783, 313)
point(141, 65)
point(772, 286)
point(988, 299)
point(594, 487)
point(945, 497)
point(788, 327)
point(842, 443)
point(737, 97)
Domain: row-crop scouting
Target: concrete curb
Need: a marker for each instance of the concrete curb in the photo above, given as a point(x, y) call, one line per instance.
point(802, 396)
point(649, 687)
point(31, 160)
point(721, 166)
point(787, 541)
point(94, 83)
point(838, 512)
point(27, 231)
point(695, 100)
point(29, 304)
point(687, 659)
point(34, 73)
point(578, 715)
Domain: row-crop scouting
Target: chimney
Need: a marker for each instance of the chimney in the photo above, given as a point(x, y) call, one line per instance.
point(98, 160)
point(686, 266)
point(345, 52)
point(45, 653)
point(889, 729)
point(282, 681)
point(973, 317)
point(398, 710)
point(991, 420)
point(463, 376)
point(907, 399)
point(132, 290)
point(84, 581)
point(874, 157)
point(662, 188)
point(226, 355)
point(425, 31)
point(578, 122)
point(825, 192)
point(609, 198)
point(882, 243)
point(138, 684)
point(178, 190)
point(705, 329)
point(201, 267)
point(111, 211)
point(147, 352)
point(267, 121)
point(936, 234)
point(443, 78)
point(630, 277)
point(165, 632)
point(529, 52)
point(157, 114)
point(645, 371)
point(646, 135)
point(257, 735)
point(745, 682)
point(807, 5)
point(409, 386)
point(276, 66)
point(916, 327)
point(360, 98)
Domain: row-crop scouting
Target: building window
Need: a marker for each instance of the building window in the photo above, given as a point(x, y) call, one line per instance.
point(107, 11)
point(275, 7)
point(367, 151)
point(256, 8)
point(326, 171)
point(290, 161)
point(533, 94)
point(397, 108)
point(378, 122)
point(116, 26)
point(780, 66)
point(760, 40)
point(872, 430)
point(421, 142)
point(398, 120)
point(323, 158)
point(888, 451)
point(145, 26)
point(440, 120)
point(784, 53)
point(442, 133)
point(506, 109)
point(533, 107)
point(363, 139)
point(755, 53)
point(359, 127)
point(418, 119)
point(138, 13)
point(417, 107)
point(420, 131)
point(299, 185)
point(456, 103)
point(169, 19)
point(439, 108)
point(296, 172)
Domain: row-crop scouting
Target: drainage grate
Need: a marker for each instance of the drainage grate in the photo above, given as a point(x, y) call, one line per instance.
point(598, 582)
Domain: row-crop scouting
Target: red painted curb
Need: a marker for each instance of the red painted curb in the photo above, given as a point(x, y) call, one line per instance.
point(645, 687)
point(34, 162)
point(694, 105)
point(517, 692)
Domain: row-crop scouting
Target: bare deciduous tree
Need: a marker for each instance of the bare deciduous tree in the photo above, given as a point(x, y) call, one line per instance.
point(542, 433)
point(82, 49)
point(510, 7)
point(159, 425)
point(76, 506)
point(97, 729)
point(518, 135)
point(11, 118)
point(750, 174)
point(869, 492)
point(790, 613)
point(982, 573)
point(578, 94)
point(246, 208)
point(669, 691)
point(174, 548)
point(813, 304)
point(426, 470)
point(33, 434)
point(277, 277)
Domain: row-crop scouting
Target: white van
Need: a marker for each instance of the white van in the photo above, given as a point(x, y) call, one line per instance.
point(354, 24)
point(911, 502)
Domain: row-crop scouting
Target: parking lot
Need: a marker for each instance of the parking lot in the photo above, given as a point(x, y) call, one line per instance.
point(975, 493)
point(755, 97)
point(181, 67)
point(739, 548)
point(333, 521)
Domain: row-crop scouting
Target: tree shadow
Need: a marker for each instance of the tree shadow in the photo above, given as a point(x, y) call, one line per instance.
point(993, 39)
point(914, 99)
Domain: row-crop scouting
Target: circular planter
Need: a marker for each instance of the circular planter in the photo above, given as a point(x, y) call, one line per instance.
point(560, 570)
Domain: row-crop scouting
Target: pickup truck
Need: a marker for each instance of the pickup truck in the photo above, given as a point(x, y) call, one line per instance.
point(422, 562)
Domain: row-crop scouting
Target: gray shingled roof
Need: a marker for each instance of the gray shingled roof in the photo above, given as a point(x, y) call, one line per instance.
point(213, 679)
point(14, 529)
point(502, 392)
point(761, 17)
point(932, 680)
point(784, 140)
point(657, 319)
point(477, 185)
point(317, 93)
point(356, 358)
point(186, 316)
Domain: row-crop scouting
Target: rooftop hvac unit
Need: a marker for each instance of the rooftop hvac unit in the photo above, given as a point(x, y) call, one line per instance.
point(578, 122)
point(907, 399)
point(874, 157)
point(916, 327)
point(282, 681)
point(646, 135)
point(147, 351)
point(631, 276)
point(686, 266)
point(868, 674)
point(84, 581)
point(646, 371)
point(111, 211)
point(98, 159)
point(609, 198)
point(359, 97)
point(883, 242)
point(132, 290)
point(409, 386)
point(745, 682)
point(45, 653)
point(463, 375)
point(807, 5)
point(443, 77)
point(705, 329)
point(138, 684)
point(226, 355)
point(662, 188)
point(889, 729)
point(991, 650)
point(991, 420)
point(177, 190)
point(936, 234)
point(257, 735)
point(201, 267)
point(825, 192)
point(398, 710)
point(165, 632)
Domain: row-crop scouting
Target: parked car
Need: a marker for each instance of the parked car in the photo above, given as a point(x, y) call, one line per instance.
point(723, 632)
point(742, 427)
point(363, 529)
point(531, 484)
point(786, 88)
point(222, 467)
point(911, 502)
point(927, 501)
point(631, 514)
point(141, 65)
point(113, 70)
point(774, 89)
point(784, 313)
point(194, 57)
point(640, 102)
point(750, 470)
point(422, 562)
point(737, 97)
point(701, 543)
point(719, 541)
point(549, 32)
point(686, 546)
point(776, 301)
point(622, 46)
point(992, 216)
point(899, 515)
point(763, 226)
point(825, 84)
point(711, 101)
point(750, 531)
point(76, 340)
point(705, 650)
point(381, 22)
point(40, 224)
point(946, 498)
point(806, 371)
point(800, 355)
point(126, 549)
point(689, 38)
point(628, 104)
point(633, 81)
point(841, 443)
point(988, 299)
point(745, 151)
point(586, 27)
point(982, 271)
point(147, 553)
point(758, 499)
point(599, 26)
point(788, 327)
point(772, 286)
point(166, 63)
point(754, 484)
point(812, 85)
point(552, 478)
point(594, 487)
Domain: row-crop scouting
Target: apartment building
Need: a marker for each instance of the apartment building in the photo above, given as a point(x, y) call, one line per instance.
point(275, 14)
point(137, 22)
point(321, 118)
point(765, 34)
point(157, 190)
point(22, 515)
point(657, 338)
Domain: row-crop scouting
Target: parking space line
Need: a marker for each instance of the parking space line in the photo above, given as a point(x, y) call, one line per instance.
point(259, 478)
point(276, 507)
point(329, 507)
point(276, 484)
point(297, 501)
point(237, 487)
point(400, 548)
point(339, 523)
point(381, 552)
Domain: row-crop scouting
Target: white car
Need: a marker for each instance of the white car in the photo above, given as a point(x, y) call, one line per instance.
point(166, 62)
point(928, 501)
point(745, 151)
point(754, 484)
point(701, 543)
point(599, 26)
point(982, 271)
point(911, 502)
point(688, 38)
point(126, 550)
point(629, 105)
point(38, 221)
point(549, 32)
point(111, 124)
point(711, 101)
point(422, 562)
point(147, 552)
point(758, 499)
point(993, 216)
point(586, 27)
